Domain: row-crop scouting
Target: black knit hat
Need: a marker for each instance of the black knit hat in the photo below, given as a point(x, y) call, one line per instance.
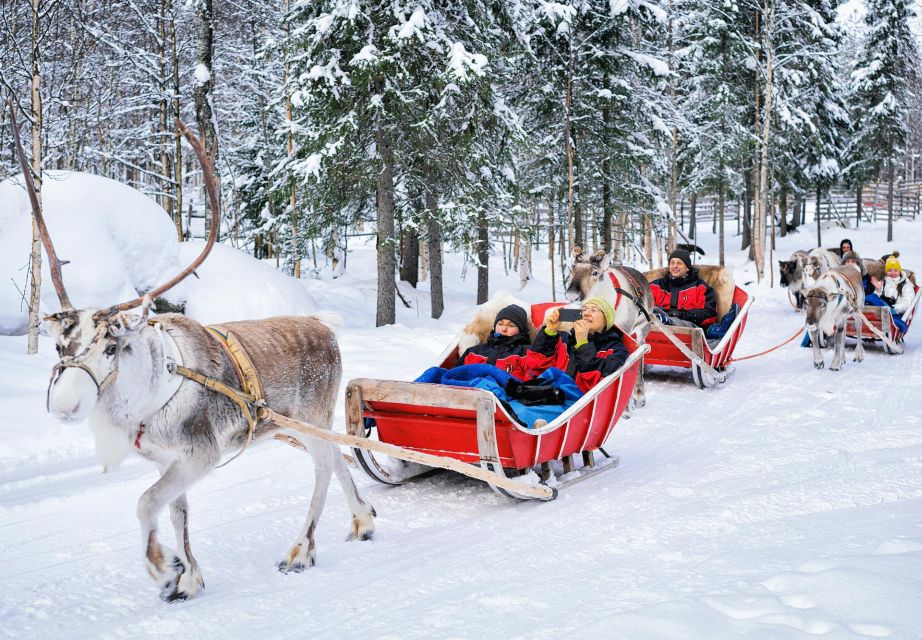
point(682, 255)
point(515, 314)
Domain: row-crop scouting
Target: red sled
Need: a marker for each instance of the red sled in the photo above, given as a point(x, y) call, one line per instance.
point(882, 319)
point(662, 350)
point(472, 426)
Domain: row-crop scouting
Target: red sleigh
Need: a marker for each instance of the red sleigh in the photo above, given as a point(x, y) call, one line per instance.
point(881, 318)
point(716, 355)
point(471, 426)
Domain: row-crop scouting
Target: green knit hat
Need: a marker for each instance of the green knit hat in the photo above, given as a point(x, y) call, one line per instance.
point(607, 310)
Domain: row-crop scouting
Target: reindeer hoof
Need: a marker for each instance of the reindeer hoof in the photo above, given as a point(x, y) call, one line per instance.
point(363, 527)
point(296, 567)
point(300, 558)
point(819, 365)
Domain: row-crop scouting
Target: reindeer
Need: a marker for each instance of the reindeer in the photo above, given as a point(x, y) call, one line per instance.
point(792, 275)
point(119, 371)
point(819, 261)
point(837, 296)
point(624, 287)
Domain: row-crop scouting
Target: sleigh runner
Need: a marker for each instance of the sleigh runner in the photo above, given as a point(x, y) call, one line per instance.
point(708, 360)
point(472, 426)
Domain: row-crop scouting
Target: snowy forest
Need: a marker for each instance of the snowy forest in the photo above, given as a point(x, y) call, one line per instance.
point(469, 125)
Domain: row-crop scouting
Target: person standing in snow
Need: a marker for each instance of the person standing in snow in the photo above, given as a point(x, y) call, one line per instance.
point(507, 344)
point(593, 349)
point(681, 297)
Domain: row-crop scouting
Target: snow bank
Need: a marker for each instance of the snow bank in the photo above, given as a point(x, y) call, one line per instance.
point(116, 240)
point(233, 285)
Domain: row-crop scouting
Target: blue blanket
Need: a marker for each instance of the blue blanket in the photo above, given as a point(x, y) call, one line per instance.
point(493, 379)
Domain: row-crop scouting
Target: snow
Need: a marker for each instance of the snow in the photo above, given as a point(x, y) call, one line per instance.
point(785, 503)
point(117, 241)
point(413, 26)
point(460, 62)
point(202, 74)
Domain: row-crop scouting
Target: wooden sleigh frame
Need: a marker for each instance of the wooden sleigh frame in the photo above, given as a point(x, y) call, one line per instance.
point(664, 353)
point(882, 319)
point(471, 426)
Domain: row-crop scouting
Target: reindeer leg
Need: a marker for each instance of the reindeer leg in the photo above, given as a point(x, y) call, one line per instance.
point(839, 356)
point(190, 581)
point(363, 514)
point(163, 564)
point(817, 352)
point(303, 554)
point(640, 394)
point(859, 348)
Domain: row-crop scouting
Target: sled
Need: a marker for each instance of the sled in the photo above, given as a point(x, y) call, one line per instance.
point(881, 318)
point(472, 426)
point(664, 352)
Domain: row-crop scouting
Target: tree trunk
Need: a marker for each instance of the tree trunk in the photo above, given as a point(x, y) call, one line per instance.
point(409, 254)
point(568, 144)
point(35, 289)
point(693, 215)
point(166, 200)
point(795, 213)
point(783, 227)
point(890, 197)
point(720, 213)
point(747, 214)
point(858, 206)
point(762, 219)
point(204, 86)
point(819, 236)
point(550, 246)
point(434, 249)
point(483, 259)
point(177, 135)
point(292, 185)
point(386, 313)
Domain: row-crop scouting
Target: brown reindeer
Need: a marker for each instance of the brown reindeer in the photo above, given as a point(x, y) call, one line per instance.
point(792, 275)
point(837, 296)
point(119, 371)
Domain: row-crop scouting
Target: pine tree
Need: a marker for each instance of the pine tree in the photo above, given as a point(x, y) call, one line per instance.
point(886, 69)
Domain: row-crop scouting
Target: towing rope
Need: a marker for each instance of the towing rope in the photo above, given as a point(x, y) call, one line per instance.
point(762, 353)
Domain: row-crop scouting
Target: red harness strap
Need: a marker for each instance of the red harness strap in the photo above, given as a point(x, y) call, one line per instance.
point(618, 287)
point(137, 438)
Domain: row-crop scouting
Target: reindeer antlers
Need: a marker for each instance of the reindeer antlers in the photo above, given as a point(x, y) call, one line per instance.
point(53, 260)
point(212, 188)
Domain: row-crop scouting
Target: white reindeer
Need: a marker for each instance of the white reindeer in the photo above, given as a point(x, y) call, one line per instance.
point(624, 287)
point(119, 370)
point(837, 296)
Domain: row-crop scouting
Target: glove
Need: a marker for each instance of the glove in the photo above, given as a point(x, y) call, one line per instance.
point(661, 315)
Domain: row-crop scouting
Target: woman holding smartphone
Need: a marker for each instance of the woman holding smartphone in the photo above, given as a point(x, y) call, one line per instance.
point(593, 349)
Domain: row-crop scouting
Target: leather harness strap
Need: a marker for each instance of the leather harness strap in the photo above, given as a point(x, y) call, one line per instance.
point(250, 399)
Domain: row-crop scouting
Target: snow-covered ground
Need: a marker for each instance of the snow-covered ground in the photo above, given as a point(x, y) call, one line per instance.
point(786, 503)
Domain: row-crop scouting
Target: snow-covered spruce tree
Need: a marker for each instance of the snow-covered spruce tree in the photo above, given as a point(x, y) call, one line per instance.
point(811, 117)
point(387, 94)
point(886, 69)
point(715, 53)
point(594, 111)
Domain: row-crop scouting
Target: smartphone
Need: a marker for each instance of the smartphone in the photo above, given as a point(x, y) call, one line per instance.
point(570, 315)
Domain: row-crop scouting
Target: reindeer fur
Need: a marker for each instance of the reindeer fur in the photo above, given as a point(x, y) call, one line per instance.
point(835, 298)
point(186, 429)
point(791, 275)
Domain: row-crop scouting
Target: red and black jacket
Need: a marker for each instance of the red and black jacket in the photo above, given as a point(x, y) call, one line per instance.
point(687, 298)
point(602, 355)
point(505, 352)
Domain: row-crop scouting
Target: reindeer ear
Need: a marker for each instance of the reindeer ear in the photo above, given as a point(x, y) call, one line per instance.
point(57, 323)
point(123, 324)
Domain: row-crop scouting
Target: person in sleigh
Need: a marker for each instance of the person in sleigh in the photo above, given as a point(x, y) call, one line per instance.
point(507, 344)
point(681, 297)
point(593, 349)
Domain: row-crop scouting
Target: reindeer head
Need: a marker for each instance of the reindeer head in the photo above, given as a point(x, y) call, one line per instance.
point(585, 274)
point(822, 302)
point(790, 271)
point(89, 343)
